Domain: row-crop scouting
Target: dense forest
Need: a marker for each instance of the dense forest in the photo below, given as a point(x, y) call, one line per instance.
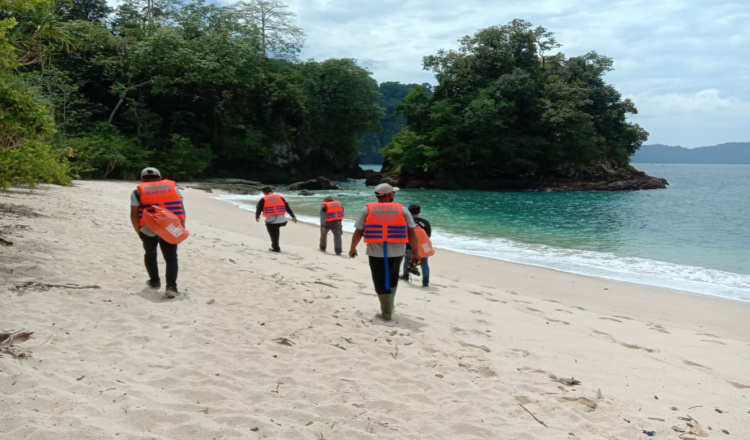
point(507, 108)
point(197, 89)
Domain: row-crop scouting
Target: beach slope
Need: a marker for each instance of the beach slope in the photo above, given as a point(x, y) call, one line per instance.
point(287, 346)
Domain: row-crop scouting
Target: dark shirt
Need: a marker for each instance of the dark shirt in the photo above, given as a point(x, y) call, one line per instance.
point(425, 225)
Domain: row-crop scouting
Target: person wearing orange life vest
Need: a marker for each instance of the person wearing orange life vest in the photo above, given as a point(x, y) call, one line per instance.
point(386, 228)
point(331, 214)
point(154, 190)
point(415, 210)
point(274, 209)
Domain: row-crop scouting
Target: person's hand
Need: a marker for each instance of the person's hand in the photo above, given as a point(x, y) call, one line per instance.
point(352, 253)
point(414, 262)
point(294, 219)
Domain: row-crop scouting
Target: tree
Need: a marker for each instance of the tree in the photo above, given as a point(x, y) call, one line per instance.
point(95, 11)
point(504, 109)
point(279, 35)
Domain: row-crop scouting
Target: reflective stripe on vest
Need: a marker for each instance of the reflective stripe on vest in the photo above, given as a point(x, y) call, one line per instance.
point(160, 193)
point(334, 211)
point(273, 205)
point(385, 222)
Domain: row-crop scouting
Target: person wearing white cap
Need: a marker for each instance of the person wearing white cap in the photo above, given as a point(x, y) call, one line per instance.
point(157, 191)
point(386, 228)
point(331, 214)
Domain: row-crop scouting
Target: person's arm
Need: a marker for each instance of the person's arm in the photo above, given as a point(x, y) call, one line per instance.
point(134, 219)
point(355, 241)
point(323, 212)
point(289, 210)
point(259, 208)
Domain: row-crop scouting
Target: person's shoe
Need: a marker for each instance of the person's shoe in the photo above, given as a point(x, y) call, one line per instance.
point(171, 292)
point(425, 284)
point(402, 277)
point(153, 284)
point(274, 250)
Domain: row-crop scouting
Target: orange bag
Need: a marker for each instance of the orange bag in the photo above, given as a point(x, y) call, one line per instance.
point(165, 224)
point(424, 245)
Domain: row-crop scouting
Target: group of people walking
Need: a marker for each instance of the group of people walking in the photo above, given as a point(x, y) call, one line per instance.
point(389, 232)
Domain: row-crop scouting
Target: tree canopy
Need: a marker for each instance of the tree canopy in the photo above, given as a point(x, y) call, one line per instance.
point(506, 108)
point(200, 89)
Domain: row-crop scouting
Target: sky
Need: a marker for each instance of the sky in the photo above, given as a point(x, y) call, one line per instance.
point(684, 63)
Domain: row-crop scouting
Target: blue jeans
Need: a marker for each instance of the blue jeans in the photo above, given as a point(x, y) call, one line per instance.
point(423, 264)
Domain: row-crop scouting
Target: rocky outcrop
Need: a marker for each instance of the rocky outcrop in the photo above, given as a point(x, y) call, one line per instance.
point(319, 182)
point(234, 186)
point(603, 176)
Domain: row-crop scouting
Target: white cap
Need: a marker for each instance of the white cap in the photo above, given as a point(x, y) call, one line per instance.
point(150, 171)
point(385, 188)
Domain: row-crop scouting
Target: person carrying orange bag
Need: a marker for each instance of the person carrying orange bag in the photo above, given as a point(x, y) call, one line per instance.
point(158, 194)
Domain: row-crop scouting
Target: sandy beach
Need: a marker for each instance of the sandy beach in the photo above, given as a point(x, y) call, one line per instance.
point(260, 345)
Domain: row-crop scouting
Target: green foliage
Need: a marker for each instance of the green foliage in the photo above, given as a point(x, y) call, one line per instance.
point(504, 108)
point(390, 95)
point(183, 160)
point(23, 115)
point(105, 151)
point(32, 163)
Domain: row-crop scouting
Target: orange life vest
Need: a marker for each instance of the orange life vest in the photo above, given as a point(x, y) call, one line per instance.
point(424, 245)
point(273, 204)
point(334, 211)
point(385, 222)
point(160, 193)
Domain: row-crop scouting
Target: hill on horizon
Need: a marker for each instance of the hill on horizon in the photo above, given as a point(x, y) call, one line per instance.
point(727, 153)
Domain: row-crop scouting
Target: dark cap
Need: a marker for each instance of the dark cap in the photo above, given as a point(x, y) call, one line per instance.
point(415, 209)
point(267, 189)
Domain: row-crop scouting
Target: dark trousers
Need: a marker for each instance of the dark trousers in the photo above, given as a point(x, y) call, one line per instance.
point(274, 231)
point(335, 227)
point(168, 251)
point(377, 269)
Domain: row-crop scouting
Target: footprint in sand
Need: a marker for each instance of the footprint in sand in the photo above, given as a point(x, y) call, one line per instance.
point(657, 328)
point(713, 342)
point(738, 385)
point(609, 319)
point(637, 347)
point(695, 364)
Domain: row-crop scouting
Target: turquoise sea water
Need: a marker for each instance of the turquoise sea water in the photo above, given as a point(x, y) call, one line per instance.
point(693, 236)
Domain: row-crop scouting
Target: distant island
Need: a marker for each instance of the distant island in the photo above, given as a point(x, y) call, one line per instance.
point(728, 153)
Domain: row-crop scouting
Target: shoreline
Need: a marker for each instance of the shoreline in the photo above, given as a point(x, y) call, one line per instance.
point(546, 260)
point(264, 345)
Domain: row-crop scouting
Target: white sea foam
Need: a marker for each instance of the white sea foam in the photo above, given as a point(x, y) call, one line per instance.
point(598, 264)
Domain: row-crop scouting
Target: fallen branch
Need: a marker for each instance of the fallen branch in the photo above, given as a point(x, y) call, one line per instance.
point(532, 415)
point(44, 286)
point(8, 343)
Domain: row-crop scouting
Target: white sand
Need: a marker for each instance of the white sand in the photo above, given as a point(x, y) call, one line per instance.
point(286, 346)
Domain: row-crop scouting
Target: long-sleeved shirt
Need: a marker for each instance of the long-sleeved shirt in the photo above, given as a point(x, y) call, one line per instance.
point(273, 218)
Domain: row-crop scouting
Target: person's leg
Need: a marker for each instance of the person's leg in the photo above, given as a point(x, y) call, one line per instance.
point(385, 297)
point(273, 232)
point(425, 272)
point(149, 259)
point(169, 252)
point(323, 238)
point(337, 233)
